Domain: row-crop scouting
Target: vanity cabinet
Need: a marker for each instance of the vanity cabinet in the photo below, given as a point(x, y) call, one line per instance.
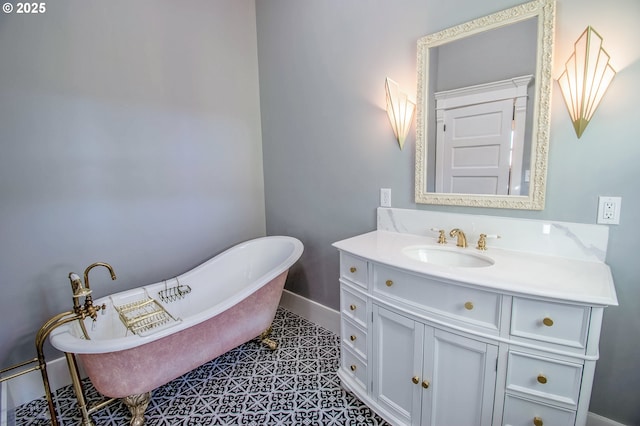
point(426, 350)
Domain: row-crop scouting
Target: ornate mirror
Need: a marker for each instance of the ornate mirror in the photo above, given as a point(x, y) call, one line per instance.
point(482, 128)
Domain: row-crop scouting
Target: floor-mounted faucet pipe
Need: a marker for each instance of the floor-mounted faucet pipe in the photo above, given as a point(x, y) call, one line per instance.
point(41, 337)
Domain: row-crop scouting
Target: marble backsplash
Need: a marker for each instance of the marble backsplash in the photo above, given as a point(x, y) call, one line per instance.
point(565, 239)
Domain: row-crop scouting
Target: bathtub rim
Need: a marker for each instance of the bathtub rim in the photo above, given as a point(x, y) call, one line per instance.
point(64, 339)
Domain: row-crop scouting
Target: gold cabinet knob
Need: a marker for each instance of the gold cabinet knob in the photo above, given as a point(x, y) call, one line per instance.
point(547, 321)
point(389, 283)
point(425, 384)
point(352, 307)
point(415, 380)
point(352, 337)
point(468, 306)
point(537, 421)
point(353, 269)
point(542, 379)
point(353, 367)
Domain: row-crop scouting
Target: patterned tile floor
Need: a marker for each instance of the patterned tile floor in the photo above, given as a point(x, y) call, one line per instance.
point(250, 385)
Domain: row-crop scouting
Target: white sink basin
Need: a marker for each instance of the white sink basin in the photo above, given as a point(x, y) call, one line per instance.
point(447, 256)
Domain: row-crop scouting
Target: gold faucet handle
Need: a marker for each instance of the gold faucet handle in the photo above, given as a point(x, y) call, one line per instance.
point(442, 239)
point(482, 241)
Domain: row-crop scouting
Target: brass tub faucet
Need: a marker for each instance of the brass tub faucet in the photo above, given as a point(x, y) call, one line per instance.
point(79, 313)
point(93, 265)
point(80, 290)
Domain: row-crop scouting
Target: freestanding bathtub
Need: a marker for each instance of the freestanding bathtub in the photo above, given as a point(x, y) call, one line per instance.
point(205, 312)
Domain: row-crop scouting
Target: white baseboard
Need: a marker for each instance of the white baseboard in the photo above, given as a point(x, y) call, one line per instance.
point(6, 413)
point(28, 387)
point(597, 420)
point(313, 311)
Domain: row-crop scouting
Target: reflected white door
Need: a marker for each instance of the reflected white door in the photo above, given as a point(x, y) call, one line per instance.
point(473, 155)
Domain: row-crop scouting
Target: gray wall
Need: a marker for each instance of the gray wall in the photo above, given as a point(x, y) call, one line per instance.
point(130, 134)
point(328, 147)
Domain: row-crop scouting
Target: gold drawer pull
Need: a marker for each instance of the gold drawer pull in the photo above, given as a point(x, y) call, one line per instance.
point(415, 380)
point(353, 367)
point(542, 379)
point(353, 269)
point(353, 338)
point(547, 321)
point(389, 283)
point(537, 421)
point(425, 384)
point(352, 307)
point(468, 306)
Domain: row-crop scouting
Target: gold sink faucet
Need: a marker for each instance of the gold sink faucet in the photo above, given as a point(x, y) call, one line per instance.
point(462, 239)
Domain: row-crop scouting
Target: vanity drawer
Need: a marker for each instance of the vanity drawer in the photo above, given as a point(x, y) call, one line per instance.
point(354, 338)
point(550, 322)
point(522, 412)
point(354, 367)
point(545, 378)
point(474, 306)
point(353, 306)
point(353, 269)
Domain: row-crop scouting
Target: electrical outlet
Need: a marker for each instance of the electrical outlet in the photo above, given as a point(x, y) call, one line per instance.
point(609, 210)
point(385, 197)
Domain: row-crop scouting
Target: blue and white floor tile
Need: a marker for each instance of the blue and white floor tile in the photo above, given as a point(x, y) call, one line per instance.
point(250, 385)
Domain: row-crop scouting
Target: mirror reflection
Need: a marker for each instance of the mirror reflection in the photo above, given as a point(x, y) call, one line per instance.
point(482, 125)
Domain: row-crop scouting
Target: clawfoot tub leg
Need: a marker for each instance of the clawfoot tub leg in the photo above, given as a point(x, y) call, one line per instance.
point(266, 340)
point(137, 404)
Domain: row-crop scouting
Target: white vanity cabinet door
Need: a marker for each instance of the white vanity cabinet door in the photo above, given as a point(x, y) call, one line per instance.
point(397, 363)
point(426, 376)
point(463, 375)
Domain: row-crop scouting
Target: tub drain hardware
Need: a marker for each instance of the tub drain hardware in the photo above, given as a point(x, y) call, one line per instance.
point(171, 294)
point(144, 316)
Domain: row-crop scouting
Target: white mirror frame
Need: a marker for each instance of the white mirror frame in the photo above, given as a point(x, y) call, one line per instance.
point(544, 10)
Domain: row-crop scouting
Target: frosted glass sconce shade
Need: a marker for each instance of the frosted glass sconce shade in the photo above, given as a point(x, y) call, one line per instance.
point(399, 109)
point(585, 79)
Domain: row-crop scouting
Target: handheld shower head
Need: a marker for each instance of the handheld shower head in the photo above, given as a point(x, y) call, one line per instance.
point(79, 290)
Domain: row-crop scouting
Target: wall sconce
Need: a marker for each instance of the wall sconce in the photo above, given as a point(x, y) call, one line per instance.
point(399, 109)
point(585, 79)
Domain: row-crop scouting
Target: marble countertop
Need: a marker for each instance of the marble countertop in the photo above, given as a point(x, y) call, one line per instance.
point(513, 272)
